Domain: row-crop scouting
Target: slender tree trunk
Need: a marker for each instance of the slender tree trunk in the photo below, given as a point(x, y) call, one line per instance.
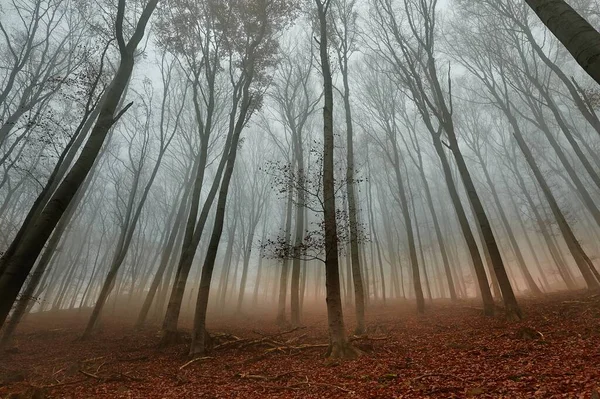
point(581, 259)
point(438, 233)
point(191, 240)
point(412, 250)
point(246, 260)
point(339, 347)
point(486, 295)
point(283, 278)
point(17, 266)
point(510, 301)
point(200, 338)
point(299, 233)
point(375, 238)
point(531, 285)
point(357, 279)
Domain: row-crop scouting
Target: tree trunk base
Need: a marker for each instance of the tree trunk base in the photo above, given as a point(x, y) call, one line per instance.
point(342, 351)
point(489, 310)
point(8, 343)
point(513, 313)
point(360, 330)
point(201, 347)
point(172, 338)
point(282, 322)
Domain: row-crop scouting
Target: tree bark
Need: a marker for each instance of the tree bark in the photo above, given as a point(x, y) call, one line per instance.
point(573, 31)
point(339, 347)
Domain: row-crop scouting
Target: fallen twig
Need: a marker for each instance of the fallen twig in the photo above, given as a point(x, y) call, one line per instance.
point(299, 347)
point(91, 375)
point(93, 359)
point(60, 384)
point(437, 375)
point(321, 384)
point(367, 338)
point(279, 334)
point(194, 361)
point(263, 377)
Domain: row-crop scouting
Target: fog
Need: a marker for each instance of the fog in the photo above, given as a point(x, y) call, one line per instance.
point(178, 162)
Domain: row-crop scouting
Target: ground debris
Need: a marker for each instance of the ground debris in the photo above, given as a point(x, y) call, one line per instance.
point(450, 352)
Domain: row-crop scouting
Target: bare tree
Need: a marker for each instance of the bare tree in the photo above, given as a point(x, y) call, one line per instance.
point(18, 260)
point(339, 347)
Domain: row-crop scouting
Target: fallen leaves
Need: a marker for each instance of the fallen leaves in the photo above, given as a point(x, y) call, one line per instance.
point(451, 352)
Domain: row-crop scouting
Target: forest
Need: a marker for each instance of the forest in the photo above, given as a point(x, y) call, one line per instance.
point(299, 199)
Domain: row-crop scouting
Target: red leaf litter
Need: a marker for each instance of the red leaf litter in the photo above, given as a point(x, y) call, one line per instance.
point(450, 352)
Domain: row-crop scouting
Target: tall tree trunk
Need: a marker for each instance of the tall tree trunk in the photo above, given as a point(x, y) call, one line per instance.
point(17, 266)
point(339, 347)
point(531, 285)
point(412, 250)
point(573, 31)
point(508, 296)
point(191, 240)
point(581, 259)
point(374, 229)
point(299, 231)
point(486, 294)
point(200, 338)
point(167, 253)
point(246, 260)
point(438, 233)
point(357, 279)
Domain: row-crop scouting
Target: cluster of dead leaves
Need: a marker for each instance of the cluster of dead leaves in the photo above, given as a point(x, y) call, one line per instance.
point(450, 352)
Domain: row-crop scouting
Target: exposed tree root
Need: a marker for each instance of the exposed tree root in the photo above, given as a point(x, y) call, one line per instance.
point(172, 338)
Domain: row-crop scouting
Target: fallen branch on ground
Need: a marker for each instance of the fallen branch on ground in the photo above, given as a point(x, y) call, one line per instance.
point(319, 384)
point(367, 338)
point(263, 377)
point(298, 347)
point(437, 375)
point(194, 361)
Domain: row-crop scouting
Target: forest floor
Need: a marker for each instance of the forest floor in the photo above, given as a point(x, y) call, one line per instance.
point(450, 352)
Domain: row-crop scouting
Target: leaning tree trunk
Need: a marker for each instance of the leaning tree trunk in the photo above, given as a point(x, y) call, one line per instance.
point(246, 263)
point(438, 233)
point(508, 296)
point(191, 241)
point(573, 31)
point(412, 248)
point(200, 338)
point(16, 267)
point(583, 262)
point(167, 253)
point(509, 231)
point(486, 294)
point(558, 260)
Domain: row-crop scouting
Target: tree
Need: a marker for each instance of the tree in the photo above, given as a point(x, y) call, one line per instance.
point(412, 55)
point(345, 27)
point(339, 347)
point(488, 65)
point(133, 211)
point(18, 260)
point(296, 102)
point(251, 32)
point(573, 31)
